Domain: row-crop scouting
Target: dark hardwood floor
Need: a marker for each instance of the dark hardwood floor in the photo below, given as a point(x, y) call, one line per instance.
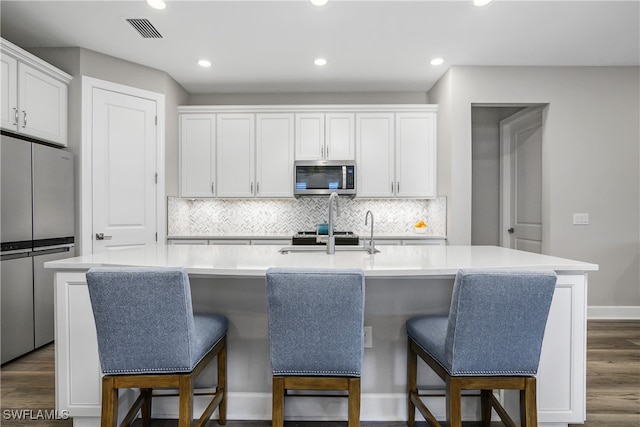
point(613, 384)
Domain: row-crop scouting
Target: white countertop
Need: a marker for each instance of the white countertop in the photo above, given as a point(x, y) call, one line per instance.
point(253, 261)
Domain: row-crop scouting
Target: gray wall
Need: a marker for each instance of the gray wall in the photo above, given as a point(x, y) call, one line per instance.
point(591, 155)
point(309, 98)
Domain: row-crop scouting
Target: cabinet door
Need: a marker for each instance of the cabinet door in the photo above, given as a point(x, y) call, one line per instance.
point(375, 155)
point(9, 92)
point(42, 105)
point(415, 155)
point(339, 136)
point(274, 155)
point(197, 155)
point(236, 155)
point(310, 136)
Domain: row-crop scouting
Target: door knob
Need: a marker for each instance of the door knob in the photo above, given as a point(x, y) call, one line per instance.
point(511, 230)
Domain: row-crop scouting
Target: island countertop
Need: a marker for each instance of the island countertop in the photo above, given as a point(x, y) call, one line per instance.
point(253, 261)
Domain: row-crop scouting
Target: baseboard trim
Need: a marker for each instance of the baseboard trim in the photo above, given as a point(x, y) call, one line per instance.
point(603, 312)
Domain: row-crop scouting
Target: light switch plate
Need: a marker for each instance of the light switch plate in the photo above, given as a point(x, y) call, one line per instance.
point(580, 219)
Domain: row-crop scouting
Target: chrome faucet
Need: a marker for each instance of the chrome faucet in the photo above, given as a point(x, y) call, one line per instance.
point(372, 249)
point(331, 244)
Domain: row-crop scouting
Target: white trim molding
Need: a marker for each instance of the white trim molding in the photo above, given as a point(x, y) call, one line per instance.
point(602, 312)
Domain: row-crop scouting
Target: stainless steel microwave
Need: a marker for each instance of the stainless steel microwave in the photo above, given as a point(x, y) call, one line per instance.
point(323, 177)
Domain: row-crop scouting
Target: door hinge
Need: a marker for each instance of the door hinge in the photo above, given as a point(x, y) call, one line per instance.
point(156, 177)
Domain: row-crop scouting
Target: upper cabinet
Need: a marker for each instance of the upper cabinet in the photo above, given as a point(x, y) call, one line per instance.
point(34, 95)
point(249, 151)
point(197, 155)
point(396, 155)
point(325, 136)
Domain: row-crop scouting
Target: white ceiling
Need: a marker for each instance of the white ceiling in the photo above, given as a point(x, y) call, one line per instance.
point(269, 46)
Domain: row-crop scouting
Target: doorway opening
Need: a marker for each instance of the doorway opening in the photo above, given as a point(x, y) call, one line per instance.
point(507, 175)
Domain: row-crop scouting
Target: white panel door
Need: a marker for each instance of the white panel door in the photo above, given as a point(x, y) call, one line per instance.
point(43, 105)
point(9, 92)
point(235, 155)
point(124, 170)
point(522, 180)
point(339, 136)
point(375, 154)
point(415, 155)
point(197, 155)
point(274, 155)
point(310, 136)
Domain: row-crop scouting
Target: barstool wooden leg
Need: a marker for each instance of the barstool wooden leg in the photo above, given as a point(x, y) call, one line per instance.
point(485, 407)
point(354, 402)
point(412, 382)
point(222, 383)
point(528, 406)
point(454, 397)
point(109, 402)
point(146, 407)
point(185, 413)
point(277, 411)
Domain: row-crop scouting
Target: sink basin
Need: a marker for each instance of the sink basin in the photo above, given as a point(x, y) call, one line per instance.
point(323, 249)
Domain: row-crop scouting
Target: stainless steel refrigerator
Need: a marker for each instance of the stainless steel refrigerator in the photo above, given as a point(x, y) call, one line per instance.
point(37, 216)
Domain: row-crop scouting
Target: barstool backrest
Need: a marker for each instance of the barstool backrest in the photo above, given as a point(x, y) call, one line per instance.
point(497, 321)
point(316, 320)
point(144, 319)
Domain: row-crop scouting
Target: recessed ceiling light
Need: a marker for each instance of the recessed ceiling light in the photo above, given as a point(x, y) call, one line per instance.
point(204, 63)
point(319, 3)
point(437, 61)
point(481, 2)
point(320, 61)
point(156, 4)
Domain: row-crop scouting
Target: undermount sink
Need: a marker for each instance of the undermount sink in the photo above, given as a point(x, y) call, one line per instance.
point(323, 249)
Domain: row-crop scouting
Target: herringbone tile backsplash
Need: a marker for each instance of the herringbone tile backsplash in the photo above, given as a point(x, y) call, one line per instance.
point(211, 217)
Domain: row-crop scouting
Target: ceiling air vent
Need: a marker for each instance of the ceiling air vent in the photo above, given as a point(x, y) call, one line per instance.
point(145, 28)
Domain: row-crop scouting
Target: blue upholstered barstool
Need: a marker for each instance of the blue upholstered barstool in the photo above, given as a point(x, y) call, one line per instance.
point(148, 337)
point(490, 340)
point(316, 334)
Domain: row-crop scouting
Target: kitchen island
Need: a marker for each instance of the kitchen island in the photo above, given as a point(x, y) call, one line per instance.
point(401, 281)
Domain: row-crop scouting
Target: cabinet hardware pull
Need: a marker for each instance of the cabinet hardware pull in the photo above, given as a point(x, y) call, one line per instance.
point(15, 116)
point(398, 187)
point(213, 191)
point(24, 119)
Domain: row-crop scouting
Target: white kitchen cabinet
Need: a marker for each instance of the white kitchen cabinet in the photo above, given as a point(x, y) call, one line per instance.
point(416, 155)
point(277, 242)
point(229, 242)
point(325, 136)
point(9, 92)
point(274, 155)
point(375, 155)
point(235, 153)
point(34, 96)
point(396, 155)
point(197, 155)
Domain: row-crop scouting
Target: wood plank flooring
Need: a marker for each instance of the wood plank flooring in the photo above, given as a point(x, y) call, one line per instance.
point(613, 384)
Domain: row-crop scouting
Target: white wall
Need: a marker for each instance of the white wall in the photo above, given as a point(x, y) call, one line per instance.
point(591, 159)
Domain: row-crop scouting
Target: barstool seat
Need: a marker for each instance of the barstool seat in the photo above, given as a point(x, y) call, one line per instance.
point(316, 334)
point(491, 339)
point(149, 338)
